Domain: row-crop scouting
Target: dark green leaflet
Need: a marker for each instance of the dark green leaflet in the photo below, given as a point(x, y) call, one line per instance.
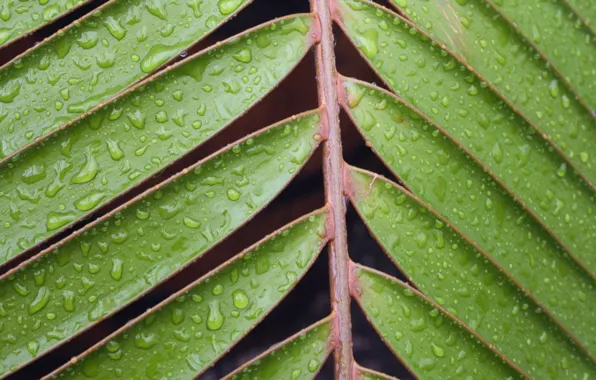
point(190, 331)
point(17, 18)
point(129, 251)
point(95, 59)
point(431, 81)
point(69, 174)
point(446, 268)
point(427, 341)
point(443, 176)
point(562, 37)
point(299, 357)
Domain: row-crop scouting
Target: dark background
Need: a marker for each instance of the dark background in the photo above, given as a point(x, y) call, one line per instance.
point(309, 301)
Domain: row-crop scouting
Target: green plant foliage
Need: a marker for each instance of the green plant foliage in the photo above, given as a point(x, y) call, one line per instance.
point(18, 19)
point(586, 9)
point(66, 176)
point(472, 114)
point(427, 340)
point(95, 59)
point(488, 43)
point(300, 357)
point(561, 36)
point(453, 273)
point(129, 251)
point(190, 330)
point(442, 175)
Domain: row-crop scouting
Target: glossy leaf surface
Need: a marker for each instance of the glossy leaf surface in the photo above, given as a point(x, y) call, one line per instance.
point(474, 116)
point(476, 33)
point(191, 330)
point(77, 169)
point(95, 59)
point(443, 176)
point(129, 251)
point(427, 341)
point(586, 9)
point(448, 269)
point(562, 37)
point(299, 357)
point(19, 18)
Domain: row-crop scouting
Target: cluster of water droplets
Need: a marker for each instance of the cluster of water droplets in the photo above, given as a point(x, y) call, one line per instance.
point(108, 266)
point(115, 148)
point(95, 59)
point(469, 111)
point(205, 321)
point(463, 193)
point(428, 341)
point(458, 277)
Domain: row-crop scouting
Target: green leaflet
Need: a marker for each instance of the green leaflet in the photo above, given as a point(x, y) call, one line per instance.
point(562, 37)
point(429, 342)
point(299, 357)
point(448, 269)
point(67, 175)
point(124, 254)
point(367, 374)
point(430, 80)
point(488, 43)
point(19, 17)
point(190, 330)
point(95, 59)
point(445, 177)
point(586, 10)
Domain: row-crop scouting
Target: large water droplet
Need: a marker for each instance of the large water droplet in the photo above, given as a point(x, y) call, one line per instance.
point(215, 319)
point(227, 7)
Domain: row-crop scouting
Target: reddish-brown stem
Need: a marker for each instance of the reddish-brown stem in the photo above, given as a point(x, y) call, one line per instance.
point(334, 191)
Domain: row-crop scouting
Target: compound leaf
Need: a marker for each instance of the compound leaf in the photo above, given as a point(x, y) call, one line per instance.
point(428, 79)
point(444, 177)
point(448, 269)
point(65, 177)
point(299, 357)
point(426, 339)
point(94, 59)
point(190, 330)
point(117, 258)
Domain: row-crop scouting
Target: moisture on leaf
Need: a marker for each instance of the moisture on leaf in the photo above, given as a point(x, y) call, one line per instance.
point(189, 331)
point(124, 254)
point(66, 176)
point(448, 269)
point(95, 59)
point(428, 341)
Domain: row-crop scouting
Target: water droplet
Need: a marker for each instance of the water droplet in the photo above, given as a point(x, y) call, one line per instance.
point(145, 340)
point(114, 27)
point(437, 350)
point(40, 301)
point(89, 201)
point(233, 194)
point(117, 266)
point(227, 7)
point(89, 171)
point(240, 299)
point(56, 220)
point(215, 319)
point(243, 55)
